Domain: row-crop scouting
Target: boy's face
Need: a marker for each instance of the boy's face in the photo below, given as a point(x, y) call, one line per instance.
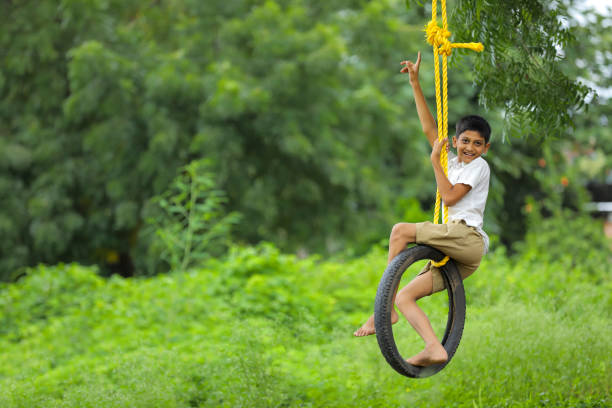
point(470, 146)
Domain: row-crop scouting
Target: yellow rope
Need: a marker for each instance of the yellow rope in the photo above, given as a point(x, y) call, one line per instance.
point(441, 263)
point(438, 37)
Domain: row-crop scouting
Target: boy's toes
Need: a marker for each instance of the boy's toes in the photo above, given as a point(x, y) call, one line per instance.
point(364, 331)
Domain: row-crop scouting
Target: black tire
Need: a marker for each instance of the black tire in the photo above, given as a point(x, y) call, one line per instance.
point(384, 305)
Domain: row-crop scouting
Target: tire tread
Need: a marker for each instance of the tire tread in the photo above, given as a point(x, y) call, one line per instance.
point(383, 305)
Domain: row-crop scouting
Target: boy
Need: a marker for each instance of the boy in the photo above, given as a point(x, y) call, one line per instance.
point(465, 192)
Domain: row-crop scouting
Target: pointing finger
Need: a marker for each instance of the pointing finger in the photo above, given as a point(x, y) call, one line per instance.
point(418, 62)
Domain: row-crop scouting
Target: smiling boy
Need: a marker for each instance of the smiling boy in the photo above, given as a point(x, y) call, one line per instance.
point(465, 192)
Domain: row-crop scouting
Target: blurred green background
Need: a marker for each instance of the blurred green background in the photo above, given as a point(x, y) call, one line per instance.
point(196, 198)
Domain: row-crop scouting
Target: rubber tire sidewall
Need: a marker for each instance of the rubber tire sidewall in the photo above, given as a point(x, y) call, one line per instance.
point(384, 304)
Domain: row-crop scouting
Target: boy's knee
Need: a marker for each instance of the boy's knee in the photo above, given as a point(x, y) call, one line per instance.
point(403, 296)
point(404, 230)
point(399, 299)
point(396, 230)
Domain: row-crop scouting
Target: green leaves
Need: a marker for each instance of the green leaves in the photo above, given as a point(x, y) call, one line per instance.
point(189, 221)
point(262, 328)
point(520, 70)
point(298, 107)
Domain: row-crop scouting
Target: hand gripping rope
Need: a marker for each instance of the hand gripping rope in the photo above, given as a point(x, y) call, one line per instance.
point(437, 37)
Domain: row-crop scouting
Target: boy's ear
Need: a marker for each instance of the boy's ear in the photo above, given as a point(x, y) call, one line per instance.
point(455, 142)
point(486, 148)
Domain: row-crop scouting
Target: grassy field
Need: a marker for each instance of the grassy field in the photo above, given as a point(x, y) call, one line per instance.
point(263, 329)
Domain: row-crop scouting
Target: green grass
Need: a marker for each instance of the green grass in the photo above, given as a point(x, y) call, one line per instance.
point(263, 329)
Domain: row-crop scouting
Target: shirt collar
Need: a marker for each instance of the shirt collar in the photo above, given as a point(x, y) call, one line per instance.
point(458, 164)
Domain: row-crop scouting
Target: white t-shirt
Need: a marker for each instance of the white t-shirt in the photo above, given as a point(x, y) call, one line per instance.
point(471, 207)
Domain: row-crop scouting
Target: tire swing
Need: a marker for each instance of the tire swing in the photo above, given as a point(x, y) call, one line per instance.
point(384, 304)
point(438, 37)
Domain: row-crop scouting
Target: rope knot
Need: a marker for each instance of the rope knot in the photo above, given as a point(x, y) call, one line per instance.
point(438, 37)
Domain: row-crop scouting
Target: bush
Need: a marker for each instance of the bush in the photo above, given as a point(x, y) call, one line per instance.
point(189, 221)
point(265, 329)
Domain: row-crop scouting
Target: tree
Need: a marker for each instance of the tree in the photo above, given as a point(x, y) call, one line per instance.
point(521, 71)
point(297, 105)
point(102, 103)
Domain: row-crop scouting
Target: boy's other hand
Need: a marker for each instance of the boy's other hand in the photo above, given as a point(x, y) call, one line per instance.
point(438, 145)
point(412, 69)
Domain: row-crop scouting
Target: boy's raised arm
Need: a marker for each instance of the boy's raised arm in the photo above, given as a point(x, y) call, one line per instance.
point(427, 121)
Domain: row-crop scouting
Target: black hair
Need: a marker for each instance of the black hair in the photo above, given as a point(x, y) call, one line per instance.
point(476, 123)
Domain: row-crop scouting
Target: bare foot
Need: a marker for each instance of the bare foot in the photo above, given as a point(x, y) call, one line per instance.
point(434, 353)
point(368, 327)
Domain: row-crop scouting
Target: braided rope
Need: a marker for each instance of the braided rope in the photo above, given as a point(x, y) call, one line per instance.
point(438, 38)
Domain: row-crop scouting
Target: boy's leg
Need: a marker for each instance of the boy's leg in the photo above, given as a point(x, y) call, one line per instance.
point(421, 286)
point(402, 234)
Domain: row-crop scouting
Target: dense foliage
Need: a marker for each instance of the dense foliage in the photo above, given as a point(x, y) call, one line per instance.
point(143, 136)
point(264, 329)
point(103, 102)
point(298, 105)
point(526, 41)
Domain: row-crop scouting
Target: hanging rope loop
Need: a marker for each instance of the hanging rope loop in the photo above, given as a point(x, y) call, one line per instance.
point(438, 38)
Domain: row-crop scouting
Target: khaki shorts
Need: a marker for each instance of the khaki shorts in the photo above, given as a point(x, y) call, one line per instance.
point(456, 239)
